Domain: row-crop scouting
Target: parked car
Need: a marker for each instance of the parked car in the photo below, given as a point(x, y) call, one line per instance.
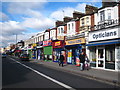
point(24, 57)
point(4, 55)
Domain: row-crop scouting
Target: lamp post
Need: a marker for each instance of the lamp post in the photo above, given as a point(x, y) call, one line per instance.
point(16, 40)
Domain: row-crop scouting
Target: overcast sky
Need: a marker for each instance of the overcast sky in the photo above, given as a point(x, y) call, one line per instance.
point(29, 17)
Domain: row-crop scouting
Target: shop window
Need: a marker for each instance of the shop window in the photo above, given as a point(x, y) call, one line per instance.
point(110, 57)
point(92, 56)
point(100, 53)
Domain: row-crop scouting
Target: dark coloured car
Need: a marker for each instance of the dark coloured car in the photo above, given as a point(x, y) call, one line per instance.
point(4, 55)
point(24, 57)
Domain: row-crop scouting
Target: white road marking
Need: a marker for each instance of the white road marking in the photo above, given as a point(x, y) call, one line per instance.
point(60, 83)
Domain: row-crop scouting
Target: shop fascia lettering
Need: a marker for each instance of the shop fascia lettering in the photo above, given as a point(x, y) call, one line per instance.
point(76, 41)
point(76, 36)
point(104, 34)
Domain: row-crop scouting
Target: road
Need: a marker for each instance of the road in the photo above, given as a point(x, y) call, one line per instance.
point(23, 74)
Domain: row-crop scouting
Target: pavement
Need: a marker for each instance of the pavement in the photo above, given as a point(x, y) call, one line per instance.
point(111, 77)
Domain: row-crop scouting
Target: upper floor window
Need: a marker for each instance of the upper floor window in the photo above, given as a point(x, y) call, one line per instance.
point(102, 15)
point(68, 26)
point(82, 20)
point(109, 14)
point(62, 31)
point(87, 20)
point(72, 25)
point(59, 30)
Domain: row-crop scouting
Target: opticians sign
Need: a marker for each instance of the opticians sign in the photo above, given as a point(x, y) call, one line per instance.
point(104, 34)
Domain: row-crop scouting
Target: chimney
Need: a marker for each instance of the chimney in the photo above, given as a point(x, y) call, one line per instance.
point(67, 19)
point(90, 9)
point(58, 23)
point(108, 3)
point(77, 14)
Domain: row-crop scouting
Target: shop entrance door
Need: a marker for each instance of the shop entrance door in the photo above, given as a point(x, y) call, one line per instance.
point(100, 57)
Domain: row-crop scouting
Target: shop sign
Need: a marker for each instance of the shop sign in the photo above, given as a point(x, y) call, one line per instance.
point(75, 41)
point(57, 43)
point(76, 36)
point(47, 43)
point(104, 34)
point(34, 44)
point(40, 43)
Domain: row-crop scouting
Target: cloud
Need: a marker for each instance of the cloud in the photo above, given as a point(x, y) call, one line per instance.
point(3, 17)
point(24, 7)
point(67, 11)
point(81, 7)
point(38, 24)
point(11, 27)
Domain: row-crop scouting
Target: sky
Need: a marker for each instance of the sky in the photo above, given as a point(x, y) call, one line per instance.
point(27, 18)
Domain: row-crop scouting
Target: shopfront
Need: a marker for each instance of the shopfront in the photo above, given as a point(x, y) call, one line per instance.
point(104, 48)
point(47, 50)
point(30, 51)
point(39, 50)
point(73, 49)
point(34, 50)
point(58, 46)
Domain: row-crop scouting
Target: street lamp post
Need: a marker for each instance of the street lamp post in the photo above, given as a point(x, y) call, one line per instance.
point(16, 41)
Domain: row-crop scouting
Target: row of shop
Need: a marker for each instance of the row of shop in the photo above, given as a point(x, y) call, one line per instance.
point(102, 48)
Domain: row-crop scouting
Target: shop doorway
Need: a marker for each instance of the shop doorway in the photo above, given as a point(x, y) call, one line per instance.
point(100, 57)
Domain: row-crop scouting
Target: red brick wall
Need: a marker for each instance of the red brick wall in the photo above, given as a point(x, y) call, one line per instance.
point(77, 26)
point(65, 28)
point(92, 21)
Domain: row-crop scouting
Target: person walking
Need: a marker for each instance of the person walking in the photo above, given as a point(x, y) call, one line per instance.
point(87, 63)
point(82, 61)
point(61, 59)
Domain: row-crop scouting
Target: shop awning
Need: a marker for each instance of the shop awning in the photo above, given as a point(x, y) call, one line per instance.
point(104, 42)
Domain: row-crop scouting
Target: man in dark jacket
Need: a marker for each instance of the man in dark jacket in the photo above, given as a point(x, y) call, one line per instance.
point(82, 61)
point(61, 59)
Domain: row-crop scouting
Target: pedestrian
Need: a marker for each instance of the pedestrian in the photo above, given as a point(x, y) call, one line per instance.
point(61, 59)
point(82, 61)
point(87, 63)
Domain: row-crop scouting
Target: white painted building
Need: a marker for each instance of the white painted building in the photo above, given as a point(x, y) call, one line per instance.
point(106, 14)
point(53, 34)
point(46, 35)
point(103, 48)
point(60, 32)
point(71, 28)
